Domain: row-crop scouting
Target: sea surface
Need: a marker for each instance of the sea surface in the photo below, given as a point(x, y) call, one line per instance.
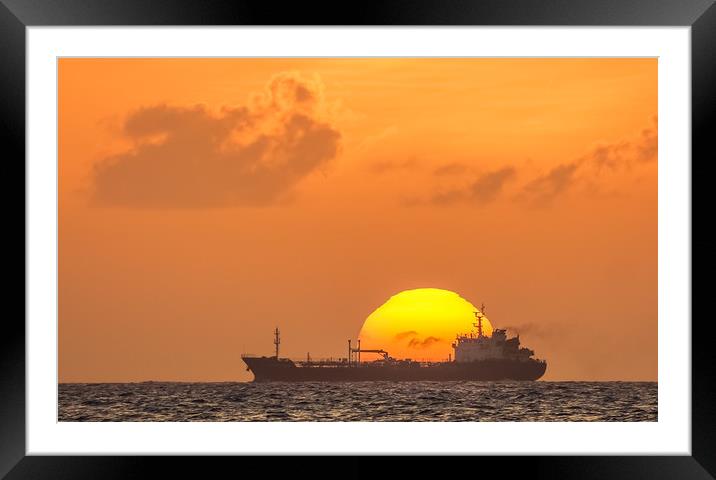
point(360, 401)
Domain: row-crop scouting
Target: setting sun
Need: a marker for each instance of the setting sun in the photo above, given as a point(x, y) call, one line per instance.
point(420, 324)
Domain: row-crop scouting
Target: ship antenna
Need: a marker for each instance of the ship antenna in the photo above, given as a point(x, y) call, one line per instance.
point(479, 314)
point(277, 340)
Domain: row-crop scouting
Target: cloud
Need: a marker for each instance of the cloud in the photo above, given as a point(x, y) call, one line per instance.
point(484, 190)
point(648, 147)
point(189, 157)
point(546, 187)
point(417, 343)
point(536, 330)
point(624, 154)
point(402, 335)
point(449, 197)
point(550, 333)
point(450, 169)
point(542, 189)
point(614, 156)
point(487, 187)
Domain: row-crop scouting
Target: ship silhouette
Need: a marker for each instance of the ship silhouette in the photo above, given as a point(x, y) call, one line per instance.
point(476, 357)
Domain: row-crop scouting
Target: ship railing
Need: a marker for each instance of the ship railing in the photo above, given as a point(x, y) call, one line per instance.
point(303, 361)
point(320, 362)
point(342, 362)
point(432, 363)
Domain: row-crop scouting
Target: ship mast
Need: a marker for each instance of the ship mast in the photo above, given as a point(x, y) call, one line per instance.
point(276, 340)
point(479, 315)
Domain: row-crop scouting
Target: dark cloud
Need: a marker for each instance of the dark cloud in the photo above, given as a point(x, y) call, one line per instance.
point(417, 343)
point(484, 190)
point(611, 156)
point(487, 187)
point(545, 188)
point(449, 197)
point(614, 156)
point(532, 329)
point(547, 334)
point(450, 169)
point(624, 154)
point(402, 335)
point(648, 147)
point(189, 157)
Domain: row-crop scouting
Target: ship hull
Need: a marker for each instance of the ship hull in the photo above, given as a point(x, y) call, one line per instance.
point(269, 369)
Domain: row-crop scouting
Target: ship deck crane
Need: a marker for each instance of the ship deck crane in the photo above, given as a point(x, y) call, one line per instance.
point(381, 352)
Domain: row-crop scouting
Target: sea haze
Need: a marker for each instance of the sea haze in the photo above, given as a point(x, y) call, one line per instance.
point(360, 401)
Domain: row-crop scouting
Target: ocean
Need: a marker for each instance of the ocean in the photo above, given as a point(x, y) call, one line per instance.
point(359, 401)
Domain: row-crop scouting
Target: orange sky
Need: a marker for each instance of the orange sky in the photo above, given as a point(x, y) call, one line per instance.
point(202, 202)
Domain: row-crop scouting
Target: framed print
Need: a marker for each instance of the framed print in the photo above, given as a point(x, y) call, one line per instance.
point(444, 229)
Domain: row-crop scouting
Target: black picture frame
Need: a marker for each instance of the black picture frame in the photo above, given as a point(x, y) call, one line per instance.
point(700, 15)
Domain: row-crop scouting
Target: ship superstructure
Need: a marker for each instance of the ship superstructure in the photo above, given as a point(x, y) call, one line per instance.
point(476, 357)
point(480, 347)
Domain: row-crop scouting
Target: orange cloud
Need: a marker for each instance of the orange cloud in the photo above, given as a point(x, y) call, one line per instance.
point(649, 145)
point(450, 169)
point(614, 156)
point(188, 157)
point(484, 190)
point(544, 188)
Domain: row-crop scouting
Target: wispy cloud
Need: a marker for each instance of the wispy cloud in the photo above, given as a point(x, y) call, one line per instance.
point(403, 335)
point(450, 169)
point(649, 143)
point(483, 190)
point(424, 343)
point(612, 156)
point(546, 187)
point(414, 340)
point(488, 186)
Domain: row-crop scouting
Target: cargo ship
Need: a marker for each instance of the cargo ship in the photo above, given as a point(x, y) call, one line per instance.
point(476, 357)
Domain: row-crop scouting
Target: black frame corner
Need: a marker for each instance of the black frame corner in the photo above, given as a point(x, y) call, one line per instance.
point(700, 15)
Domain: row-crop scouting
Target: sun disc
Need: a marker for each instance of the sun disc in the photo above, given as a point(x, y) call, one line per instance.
point(420, 324)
